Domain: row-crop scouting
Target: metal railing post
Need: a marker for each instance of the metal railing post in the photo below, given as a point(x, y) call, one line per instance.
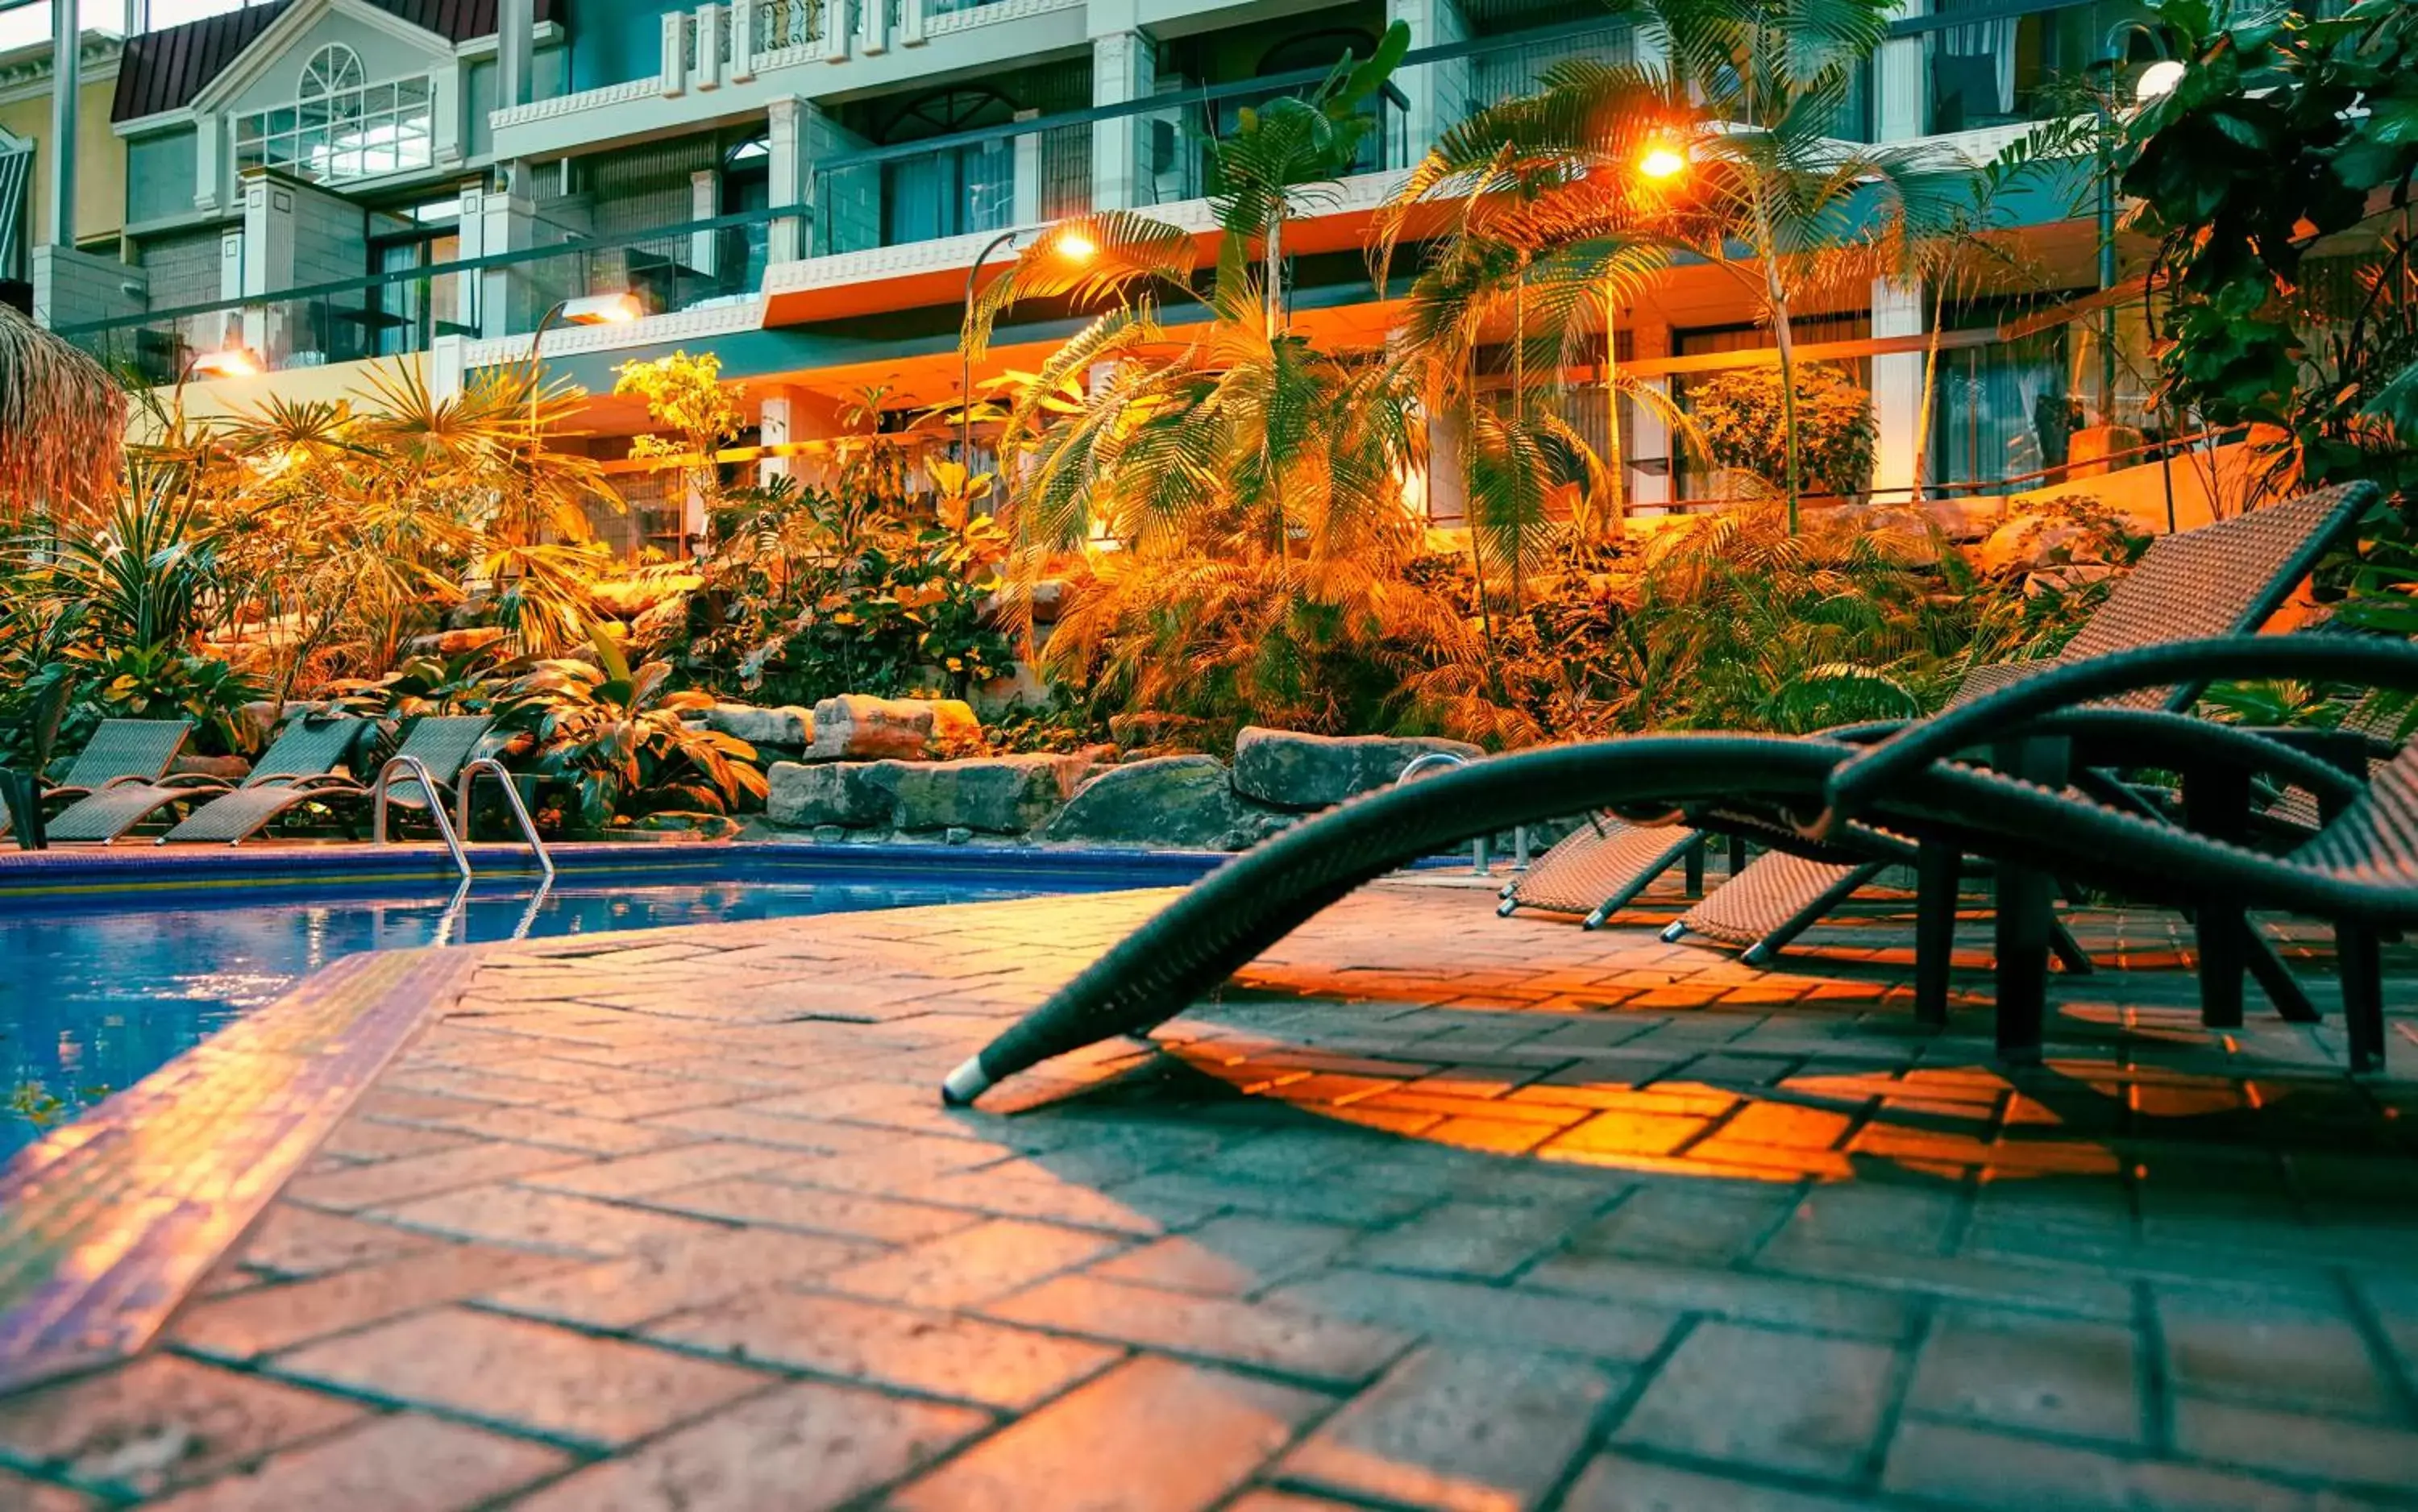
point(512, 800)
point(418, 772)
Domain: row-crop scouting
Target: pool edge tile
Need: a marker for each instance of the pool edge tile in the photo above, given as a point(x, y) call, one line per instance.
point(107, 1223)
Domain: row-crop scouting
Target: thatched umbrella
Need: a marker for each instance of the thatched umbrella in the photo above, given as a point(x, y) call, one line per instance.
point(62, 420)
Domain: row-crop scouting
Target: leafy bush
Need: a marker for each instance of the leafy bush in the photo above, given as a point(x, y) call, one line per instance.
point(614, 733)
point(1740, 415)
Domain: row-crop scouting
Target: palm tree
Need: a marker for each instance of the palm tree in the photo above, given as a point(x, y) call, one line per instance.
point(62, 423)
point(1546, 188)
point(1253, 483)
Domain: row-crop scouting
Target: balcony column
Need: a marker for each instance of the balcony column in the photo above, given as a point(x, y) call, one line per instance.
point(1027, 210)
point(777, 421)
point(704, 203)
point(1124, 67)
point(791, 174)
point(1653, 471)
point(516, 49)
point(66, 80)
point(499, 221)
point(1438, 93)
point(1897, 389)
point(1901, 83)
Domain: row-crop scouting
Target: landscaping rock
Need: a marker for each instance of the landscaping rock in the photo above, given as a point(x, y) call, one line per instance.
point(998, 795)
point(786, 726)
point(1311, 771)
point(458, 642)
point(258, 721)
point(1182, 800)
point(857, 726)
point(958, 835)
point(850, 793)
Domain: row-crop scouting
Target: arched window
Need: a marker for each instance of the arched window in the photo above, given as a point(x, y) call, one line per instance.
point(334, 70)
point(341, 126)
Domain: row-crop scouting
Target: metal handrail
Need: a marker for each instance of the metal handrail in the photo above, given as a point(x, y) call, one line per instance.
point(1481, 861)
point(461, 787)
point(429, 785)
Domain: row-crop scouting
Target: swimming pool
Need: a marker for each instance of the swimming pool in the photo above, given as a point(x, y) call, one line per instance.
point(110, 967)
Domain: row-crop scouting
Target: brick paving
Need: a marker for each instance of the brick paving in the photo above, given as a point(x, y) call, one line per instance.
point(1427, 1210)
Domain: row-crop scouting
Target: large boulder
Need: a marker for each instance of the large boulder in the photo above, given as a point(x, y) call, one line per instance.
point(846, 793)
point(789, 726)
point(857, 726)
point(1309, 772)
point(1182, 800)
point(998, 795)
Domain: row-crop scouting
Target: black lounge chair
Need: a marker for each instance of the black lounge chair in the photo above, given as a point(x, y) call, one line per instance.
point(308, 749)
point(442, 743)
point(121, 751)
point(2359, 871)
point(2225, 578)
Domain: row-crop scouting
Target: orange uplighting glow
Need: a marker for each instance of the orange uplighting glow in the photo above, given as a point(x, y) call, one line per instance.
point(1075, 247)
point(233, 362)
point(1661, 162)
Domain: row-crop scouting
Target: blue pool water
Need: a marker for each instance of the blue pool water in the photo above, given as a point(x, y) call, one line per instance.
point(95, 996)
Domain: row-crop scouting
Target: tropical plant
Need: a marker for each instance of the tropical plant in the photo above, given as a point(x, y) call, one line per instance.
point(1741, 415)
point(696, 417)
point(614, 735)
point(61, 424)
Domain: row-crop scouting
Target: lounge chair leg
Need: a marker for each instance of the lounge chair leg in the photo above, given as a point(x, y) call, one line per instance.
point(1766, 950)
point(2217, 805)
point(1695, 861)
point(1737, 854)
point(2026, 914)
point(2292, 1001)
point(2361, 960)
point(1937, 869)
point(1677, 932)
point(2071, 956)
point(1646, 878)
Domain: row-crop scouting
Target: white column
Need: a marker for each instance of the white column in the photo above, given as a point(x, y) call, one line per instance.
point(209, 173)
point(505, 219)
point(744, 22)
point(708, 45)
point(1897, 390)
point(1902, 84)
point(704, 203)
point(1437, 94)
point(447, 127)
point(792, 178)
point(67, 84)
point(1027, 209)
point(675, 27)
point(267, 262)
point(837, 31)
point(911, 22)
point(515, 47)
point(230, 322)
point(777, 425)
point(1124, 67)
point(1448, 481)
point(1652, 466)
point(873, 26)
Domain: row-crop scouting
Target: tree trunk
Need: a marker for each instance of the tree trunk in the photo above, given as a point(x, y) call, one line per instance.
point(1930, 390)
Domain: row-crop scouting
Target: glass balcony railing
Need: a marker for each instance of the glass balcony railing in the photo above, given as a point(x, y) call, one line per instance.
point(689, 266)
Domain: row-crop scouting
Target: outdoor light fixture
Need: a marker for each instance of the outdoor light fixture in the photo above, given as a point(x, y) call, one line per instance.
point(601, 310)
point(228, 362)
point(2157, 82)
point(1075, 247)
point(1661, 161)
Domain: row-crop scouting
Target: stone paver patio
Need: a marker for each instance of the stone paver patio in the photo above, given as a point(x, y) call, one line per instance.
point(1429, 1210)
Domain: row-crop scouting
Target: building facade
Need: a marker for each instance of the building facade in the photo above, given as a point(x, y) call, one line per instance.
point(803, 185)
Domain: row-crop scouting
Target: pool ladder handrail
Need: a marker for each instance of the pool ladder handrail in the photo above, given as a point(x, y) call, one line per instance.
point(435, 790)
point(1480, 860)
point(512, 800)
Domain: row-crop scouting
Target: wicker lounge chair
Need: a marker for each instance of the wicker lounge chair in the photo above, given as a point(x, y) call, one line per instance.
point(2361, 871)
point(2221, 579)
point(308, 748)
point(121, 751)
point(444, 743)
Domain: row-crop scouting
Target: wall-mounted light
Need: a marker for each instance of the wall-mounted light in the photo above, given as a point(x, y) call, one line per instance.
point(227, 362)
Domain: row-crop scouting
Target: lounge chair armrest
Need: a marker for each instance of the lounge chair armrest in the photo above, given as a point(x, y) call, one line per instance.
point(1856, 783)
point(51, 795)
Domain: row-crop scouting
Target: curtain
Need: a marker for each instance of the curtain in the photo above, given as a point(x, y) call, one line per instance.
point(2001, 411)
point(1987, 49)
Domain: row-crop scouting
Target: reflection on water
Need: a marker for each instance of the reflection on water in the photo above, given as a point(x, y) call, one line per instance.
point(94, 1001)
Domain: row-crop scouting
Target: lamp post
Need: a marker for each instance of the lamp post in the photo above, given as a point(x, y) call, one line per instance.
point(586, 310)
point(966, 354)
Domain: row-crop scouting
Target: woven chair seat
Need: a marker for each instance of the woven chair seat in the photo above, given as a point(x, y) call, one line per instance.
point(442, 743)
